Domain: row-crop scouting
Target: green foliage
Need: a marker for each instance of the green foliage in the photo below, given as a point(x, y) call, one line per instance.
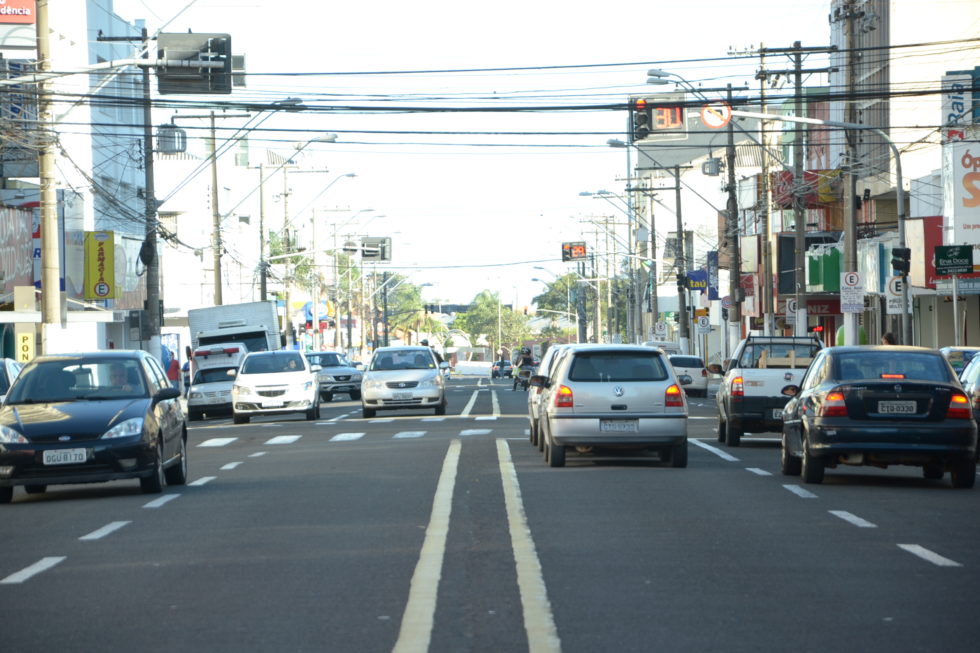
point(501, 327)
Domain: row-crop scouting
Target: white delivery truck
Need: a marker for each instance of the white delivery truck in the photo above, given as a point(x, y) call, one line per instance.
point(210, 391)
point(255, 324)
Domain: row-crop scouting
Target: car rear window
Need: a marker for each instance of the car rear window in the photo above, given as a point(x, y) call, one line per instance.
point(686, 361)
point(778, 355)
point(907, 365)
point(618, 366)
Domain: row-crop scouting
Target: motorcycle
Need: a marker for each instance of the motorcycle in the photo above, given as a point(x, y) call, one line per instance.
point(523, 378)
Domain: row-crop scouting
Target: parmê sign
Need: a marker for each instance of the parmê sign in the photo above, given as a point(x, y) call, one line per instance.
point(954, 259)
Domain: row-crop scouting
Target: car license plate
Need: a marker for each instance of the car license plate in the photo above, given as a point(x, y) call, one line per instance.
point(618, 425)
point(777, 413)
point(401, 396)
point(896, 407)
point(272, 404)
point(64, 456)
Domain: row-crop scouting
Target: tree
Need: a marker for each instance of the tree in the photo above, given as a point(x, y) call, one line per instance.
point(488, 319)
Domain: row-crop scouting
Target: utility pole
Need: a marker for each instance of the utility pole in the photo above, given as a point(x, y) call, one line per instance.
point(735, 264)
point(768, 312)
point(799, 208)
point(263, 272)
point(850, 193)
point(50, 249)
point(215, 216)
point(685, 321)
point(154, 301)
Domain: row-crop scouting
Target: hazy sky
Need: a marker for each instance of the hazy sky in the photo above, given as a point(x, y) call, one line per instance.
point(466, 210)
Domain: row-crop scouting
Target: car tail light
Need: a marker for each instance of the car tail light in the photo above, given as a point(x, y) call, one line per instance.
point(563, 398)
point(892, 376)
point(738, 389)
point(833, 405)
point(704, 372)
point(674, 396)
point(959, 407)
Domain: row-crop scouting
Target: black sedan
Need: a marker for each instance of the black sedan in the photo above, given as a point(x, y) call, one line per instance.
point(881, 406)
point(92, 417)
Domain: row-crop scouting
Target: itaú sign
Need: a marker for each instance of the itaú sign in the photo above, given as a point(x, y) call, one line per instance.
point(17, 11)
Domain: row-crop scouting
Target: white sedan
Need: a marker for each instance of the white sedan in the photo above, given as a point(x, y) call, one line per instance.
point(274, 383)
point(694, 368)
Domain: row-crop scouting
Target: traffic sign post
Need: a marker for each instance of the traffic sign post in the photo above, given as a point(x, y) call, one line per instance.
point(851, 293)
point(716, 116)
point(954, 259)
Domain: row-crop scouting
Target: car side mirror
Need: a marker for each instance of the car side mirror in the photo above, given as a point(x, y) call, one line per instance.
point(790, 390)
point(538, 381)
point(444, 365)
point(685, 379)
point(715, 368)
point(167, 393)
point(316, 368)
point(232, 373)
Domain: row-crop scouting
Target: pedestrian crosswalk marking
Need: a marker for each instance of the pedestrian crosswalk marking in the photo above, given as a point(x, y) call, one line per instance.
point(217, 442)
point(345, 437)
point(283, 439)
point(409, 434)
point(476, 432)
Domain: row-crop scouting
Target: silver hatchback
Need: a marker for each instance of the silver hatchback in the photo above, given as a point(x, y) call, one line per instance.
point(612, 397)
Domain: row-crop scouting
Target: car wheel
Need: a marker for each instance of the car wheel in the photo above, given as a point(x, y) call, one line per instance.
point(533, 434)
point(788, 463)
point(355, 395)
point(678, 454)
point(177, 474)
point(733, 435)
point(326, 396)
point(240, 419)
point(722, 426)
point(933, 471)
point(6, 494)
point(441, 408)
point(368, 413)
point(313, 412)
point(35, 489)
point(964, 474)
point(153, 484)
point(540, 438)
point(811, 468)
point(555, 454)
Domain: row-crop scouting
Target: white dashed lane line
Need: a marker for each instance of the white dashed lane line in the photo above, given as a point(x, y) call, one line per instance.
point(156, 503)
point(109, 528)
point(715, 450)
point(41, 565)
point(202, 481)
point(257, 454)
point(229, 466)
point(800, 492)
point(929, 556)
point(852, 519)
point(757, 471)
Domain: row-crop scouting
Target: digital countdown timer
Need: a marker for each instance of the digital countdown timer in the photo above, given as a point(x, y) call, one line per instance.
point(667, 118)
point(573, 251)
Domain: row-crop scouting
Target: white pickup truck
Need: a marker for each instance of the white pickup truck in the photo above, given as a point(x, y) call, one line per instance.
point(750, 397)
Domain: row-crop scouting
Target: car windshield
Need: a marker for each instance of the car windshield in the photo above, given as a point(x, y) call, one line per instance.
point(618, 366)
point(417, 359)
point(777, 355)
point(72, 379)
point(889, 365)
point(686, 361)
point(213, 375)
point(326, 360)
point(273, 363)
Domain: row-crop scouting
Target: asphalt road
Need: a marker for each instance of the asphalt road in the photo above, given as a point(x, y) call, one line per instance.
point(412, 533)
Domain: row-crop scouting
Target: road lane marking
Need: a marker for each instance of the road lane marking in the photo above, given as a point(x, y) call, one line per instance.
point(257, 454)
point(346, 437)
point(381, 420)
point(433, 419)
point(41, 565)
point(852, 518)
point(539, 621)
point(469, 404)
point(99, 533)
point(229, 466)
point(217, 442)
point(415, 632)
point(465, 432)
point(202, 481)
point(486, 418)
point(757, 471)
point(283, 439)
point(929, 556)
point(495, 402)
point(715, 450)
point(800, 492)
point(156, 503)
point(408, 434)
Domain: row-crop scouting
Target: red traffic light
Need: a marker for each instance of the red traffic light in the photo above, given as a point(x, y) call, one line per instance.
point(640, 104)
point(816, 329)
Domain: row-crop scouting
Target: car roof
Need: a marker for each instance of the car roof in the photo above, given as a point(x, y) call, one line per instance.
point(121, 354)
point(397, 348)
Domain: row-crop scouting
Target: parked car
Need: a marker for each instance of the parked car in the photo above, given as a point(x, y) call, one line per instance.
point(879, 405)
point(403, 377)
point(534, 396)
point(959, 357)
point(693, 367)
point(275, 383)
point(336, 374)
point(501, 369)
point(92, 417)
point(749, 398)
point(9, 369)
point(612, 397)
point(970, 380)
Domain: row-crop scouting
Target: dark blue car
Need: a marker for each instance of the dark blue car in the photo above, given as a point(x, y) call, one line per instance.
point(92, 417)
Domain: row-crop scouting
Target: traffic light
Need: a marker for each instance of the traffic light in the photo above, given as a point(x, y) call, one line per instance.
point(900, 259)
point(640, 119)
point(681, 282)
point(815, 328)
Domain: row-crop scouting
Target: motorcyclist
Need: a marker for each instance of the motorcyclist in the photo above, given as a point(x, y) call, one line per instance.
point(425, 343)
point(524, 362)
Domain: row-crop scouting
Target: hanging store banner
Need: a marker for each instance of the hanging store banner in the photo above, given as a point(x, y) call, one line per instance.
point(713, 276)
point(697, 280)
point(961, 182)
point(17, 29)
point(957, 105)
point(100, 265)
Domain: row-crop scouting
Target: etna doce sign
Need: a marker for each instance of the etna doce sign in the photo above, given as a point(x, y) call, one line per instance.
point(954, 259)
